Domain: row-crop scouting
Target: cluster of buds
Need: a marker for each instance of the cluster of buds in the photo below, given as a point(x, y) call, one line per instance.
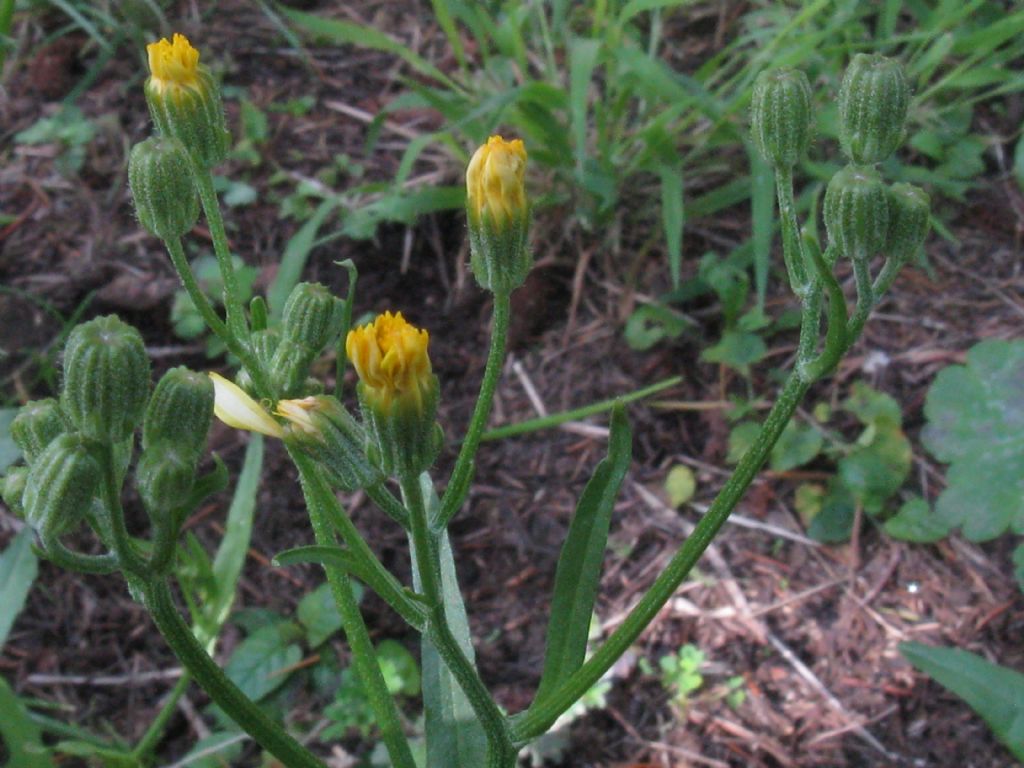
point(77, 449)
point(863, 216)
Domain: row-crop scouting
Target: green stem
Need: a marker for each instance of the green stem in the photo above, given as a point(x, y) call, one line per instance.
point(388, 504)
point(364, 657)
point(500, 752)
point(882, 283)
point(127, 556)
point(152, 736)
point(240, 708)
point(792, 246)
point(865, 299)
point(458, 486)
point(235, 345)
point(541, 716)
point(346, 326)
point(835, 334)
point(232, 299)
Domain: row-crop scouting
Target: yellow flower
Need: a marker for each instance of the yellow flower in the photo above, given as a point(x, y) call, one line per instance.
point(236, 409)
point(391, 359)
point(495, 186)
point(173, 64)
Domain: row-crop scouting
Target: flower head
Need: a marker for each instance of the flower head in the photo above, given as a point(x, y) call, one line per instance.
point(173, 64)
point(298, 413)
point(236, 409)
point(390, 356)
point(495, 185)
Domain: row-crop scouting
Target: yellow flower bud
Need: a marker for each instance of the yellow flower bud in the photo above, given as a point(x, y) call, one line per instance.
point(495, 181)
point(390, 356)
point(397, 393)
point(173, 64)
point(184, 100)
point(236, 409)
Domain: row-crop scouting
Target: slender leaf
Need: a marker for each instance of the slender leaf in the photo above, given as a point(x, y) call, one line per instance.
point(366, 37)
point(21, 737)
point(455, 738)
point(296, 252)
point(582, 60)
point(18, 567)
point(762, 210)
point(673, 217)
point(994, 692)
point(579, 566)
point(9, 451)
point(230, 557)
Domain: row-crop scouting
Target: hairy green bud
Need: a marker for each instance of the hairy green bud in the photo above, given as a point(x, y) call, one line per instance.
point(873, 101)
point(106, 379)
point(12, 489)
point(60, 486)
point(909, 221)
point(856, 212)
point(325, 431)
point(160, 178)
point(179, 412)
point(782, 116)
point(38, 422)
point(312, 316)
point(164, 476)
point(184, 101)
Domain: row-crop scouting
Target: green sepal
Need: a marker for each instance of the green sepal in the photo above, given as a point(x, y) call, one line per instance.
point(106, 379)
point(194, 115)
point(60, 486)
point(404, 439)
point(37, 424)
point(180, 412)
point(873, 101)
point(857, 212)
point(12, 489)
point(160, 179)
point(499, 256)
point(337, 442)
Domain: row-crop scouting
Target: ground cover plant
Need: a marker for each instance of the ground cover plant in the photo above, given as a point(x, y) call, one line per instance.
point(275, 641)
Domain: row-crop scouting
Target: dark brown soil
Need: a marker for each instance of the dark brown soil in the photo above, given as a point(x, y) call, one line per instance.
point(812, 630)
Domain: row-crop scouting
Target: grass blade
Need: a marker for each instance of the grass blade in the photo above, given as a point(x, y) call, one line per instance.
point(296, 253)
point(18, 568)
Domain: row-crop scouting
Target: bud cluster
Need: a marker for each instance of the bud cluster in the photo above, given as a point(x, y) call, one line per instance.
point(312, 319)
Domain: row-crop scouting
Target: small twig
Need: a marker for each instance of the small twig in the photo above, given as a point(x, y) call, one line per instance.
point(105, 681)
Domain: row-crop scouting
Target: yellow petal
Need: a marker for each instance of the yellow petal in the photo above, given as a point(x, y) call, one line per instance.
point(236, 409)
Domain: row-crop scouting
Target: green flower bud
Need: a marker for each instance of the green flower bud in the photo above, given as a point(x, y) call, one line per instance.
point(160, 178)
point(106, 379)
point(782, 116)
point(184, 101)
point(60, 486)
point(179, 412)
point(856, 212)
point(909, 221)
point(312, 316)
point(38, 422)
point(164, 476)
point(499, 215)
point(12, 489)
point(873, 101)
point(325, 431)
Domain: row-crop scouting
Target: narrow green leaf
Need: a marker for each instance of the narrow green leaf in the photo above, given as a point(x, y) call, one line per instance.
point(366, 37)
point(579, 566)
point(455, 738)
point(293, 261)
point(9, 451)
point(582, 60)
point(21, 737)
point(18, 567)
point(762, 212)
point(673, 217)
point(994, 692)
point(230, 557)
point(447, 23)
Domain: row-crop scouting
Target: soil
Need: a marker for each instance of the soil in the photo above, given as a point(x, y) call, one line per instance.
point(812, 630)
